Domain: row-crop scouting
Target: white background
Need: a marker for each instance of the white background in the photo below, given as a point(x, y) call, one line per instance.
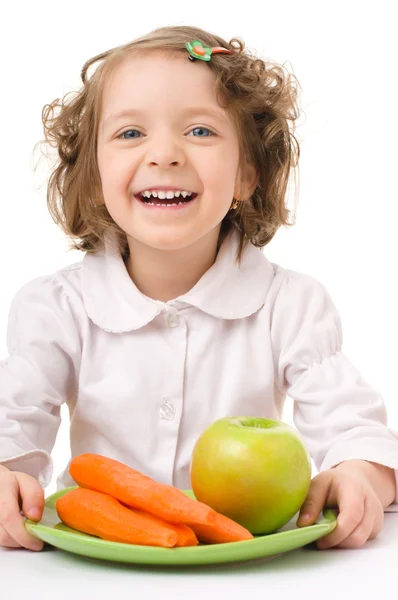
point(345, 59)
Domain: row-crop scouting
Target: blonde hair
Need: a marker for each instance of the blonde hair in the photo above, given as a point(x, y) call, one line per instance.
point(261, 98)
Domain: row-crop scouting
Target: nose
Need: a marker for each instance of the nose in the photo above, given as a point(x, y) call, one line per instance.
point(165, 150)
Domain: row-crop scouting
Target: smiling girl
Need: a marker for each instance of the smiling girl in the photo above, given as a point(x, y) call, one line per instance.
point(171, 178)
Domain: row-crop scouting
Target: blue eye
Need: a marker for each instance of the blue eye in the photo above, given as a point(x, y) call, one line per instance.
point(125, 135)
point(202, 129)
point(129, 137)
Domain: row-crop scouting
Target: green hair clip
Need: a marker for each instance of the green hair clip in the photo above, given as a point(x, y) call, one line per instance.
point(197, 50)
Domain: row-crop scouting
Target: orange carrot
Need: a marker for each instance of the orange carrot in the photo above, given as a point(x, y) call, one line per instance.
point(186, 536)
point(103, 516)
point(136, 490)
point(221, 531)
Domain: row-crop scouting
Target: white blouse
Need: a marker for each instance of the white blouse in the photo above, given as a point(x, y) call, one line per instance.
point(143, 378)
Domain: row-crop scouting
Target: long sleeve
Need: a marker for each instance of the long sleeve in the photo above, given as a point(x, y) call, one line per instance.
point(336, 411)
point(37, 377)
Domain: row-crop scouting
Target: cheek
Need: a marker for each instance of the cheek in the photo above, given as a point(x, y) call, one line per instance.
point(221, 176)
point(216, 167)
point(116, 172)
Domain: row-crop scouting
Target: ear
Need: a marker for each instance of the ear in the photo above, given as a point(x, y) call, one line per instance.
point(244, 187)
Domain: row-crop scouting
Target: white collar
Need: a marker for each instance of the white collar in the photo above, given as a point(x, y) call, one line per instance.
point(226, 290)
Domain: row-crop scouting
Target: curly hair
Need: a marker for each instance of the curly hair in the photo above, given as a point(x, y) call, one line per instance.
point(260, 96)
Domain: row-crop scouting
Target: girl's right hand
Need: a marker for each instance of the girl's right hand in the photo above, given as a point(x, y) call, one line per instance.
point(16, 487)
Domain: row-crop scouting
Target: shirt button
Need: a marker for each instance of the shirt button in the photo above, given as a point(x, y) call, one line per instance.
point(167, 411)
point(172, 320)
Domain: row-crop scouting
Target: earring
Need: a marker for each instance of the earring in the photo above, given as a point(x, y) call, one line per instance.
point(234, 204)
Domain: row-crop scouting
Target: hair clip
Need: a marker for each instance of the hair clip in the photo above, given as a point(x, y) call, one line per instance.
point(197, 50)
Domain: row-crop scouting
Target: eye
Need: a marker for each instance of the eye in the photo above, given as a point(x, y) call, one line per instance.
point(202, 130)
point(129, 133)
point(129, 137)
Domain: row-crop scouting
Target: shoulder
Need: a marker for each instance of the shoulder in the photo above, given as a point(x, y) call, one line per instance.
point(58, 290)
point(296, 289)
point(46, 314)
point(304, 320)
point(301, 308)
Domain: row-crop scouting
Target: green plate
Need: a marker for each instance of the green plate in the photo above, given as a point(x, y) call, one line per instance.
point(51, 530)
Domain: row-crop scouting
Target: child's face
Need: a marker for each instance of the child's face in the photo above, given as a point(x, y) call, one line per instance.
point(166, 142)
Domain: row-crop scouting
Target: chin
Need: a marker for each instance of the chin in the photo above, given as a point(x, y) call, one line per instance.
point(164, 241)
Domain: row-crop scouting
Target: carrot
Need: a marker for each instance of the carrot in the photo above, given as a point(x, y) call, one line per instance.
point(136, 490)
point(103, 516)
point(186, 536)
point(221, 531)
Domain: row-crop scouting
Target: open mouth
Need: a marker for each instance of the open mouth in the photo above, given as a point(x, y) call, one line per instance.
point(156, 201)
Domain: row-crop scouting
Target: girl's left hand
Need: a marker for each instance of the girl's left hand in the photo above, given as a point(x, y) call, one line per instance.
point(361, 513)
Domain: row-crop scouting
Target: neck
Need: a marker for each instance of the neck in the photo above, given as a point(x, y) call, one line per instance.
point(167, 274)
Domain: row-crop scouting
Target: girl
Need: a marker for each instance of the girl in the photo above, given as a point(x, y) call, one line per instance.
point(171, 178)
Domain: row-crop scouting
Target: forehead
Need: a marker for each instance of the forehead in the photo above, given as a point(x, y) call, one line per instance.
point(158, 78)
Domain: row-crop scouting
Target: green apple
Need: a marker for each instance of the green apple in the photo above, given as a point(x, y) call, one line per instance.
point(255, 471)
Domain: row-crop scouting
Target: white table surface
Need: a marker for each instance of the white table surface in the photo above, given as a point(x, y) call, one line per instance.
point(364, 573)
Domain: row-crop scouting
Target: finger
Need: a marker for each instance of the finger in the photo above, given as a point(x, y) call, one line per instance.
point(379, 518)
point(351, 505)
point(6, 540)
point(368, 528)
point(32, 496)
point(10, 518)
point(316, 499)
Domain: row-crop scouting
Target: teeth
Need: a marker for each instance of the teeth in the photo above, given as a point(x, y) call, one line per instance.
point(164, 205)
point(162, 195)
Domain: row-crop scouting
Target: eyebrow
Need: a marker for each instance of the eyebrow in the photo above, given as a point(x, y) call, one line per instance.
point(192, 110)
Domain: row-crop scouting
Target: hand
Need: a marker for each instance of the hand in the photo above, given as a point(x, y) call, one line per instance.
point(361, 513)
point(13, 487)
